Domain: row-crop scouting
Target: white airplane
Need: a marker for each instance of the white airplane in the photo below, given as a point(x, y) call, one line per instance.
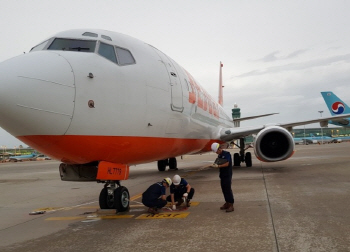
point(101, 101)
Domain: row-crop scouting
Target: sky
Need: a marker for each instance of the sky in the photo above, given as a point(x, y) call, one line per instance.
point(277, 55)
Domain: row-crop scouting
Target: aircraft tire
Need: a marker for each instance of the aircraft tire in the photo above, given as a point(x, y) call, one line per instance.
point(105, 200)
point(236, 160)
point(161, 165)
point(172, 163)
point(121, 198)
point(248, 159)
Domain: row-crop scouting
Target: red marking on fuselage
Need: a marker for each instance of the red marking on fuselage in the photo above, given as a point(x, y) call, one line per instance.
point(197, 95)
point(75, 149)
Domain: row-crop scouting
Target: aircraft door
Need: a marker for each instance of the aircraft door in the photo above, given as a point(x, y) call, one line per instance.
point(175, 83)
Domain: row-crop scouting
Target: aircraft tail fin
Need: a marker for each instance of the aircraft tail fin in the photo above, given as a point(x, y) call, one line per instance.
point(335, 105)
point(221, 99)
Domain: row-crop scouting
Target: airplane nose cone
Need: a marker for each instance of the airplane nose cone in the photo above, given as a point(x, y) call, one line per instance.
point(36, 94)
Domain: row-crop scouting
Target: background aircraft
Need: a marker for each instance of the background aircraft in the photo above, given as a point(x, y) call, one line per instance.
point(101, 101)
point(22, 157)
point(312, 139)
point(336, 107)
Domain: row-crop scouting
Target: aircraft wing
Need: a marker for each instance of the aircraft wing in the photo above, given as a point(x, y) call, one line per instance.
point(229, 134)
point(340, 122)
point(252, 117)
point(323, 121)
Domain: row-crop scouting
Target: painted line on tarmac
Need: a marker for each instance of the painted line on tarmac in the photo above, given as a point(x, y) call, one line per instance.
point(90, 217)
point(64, 218)
point(162, 216)
point(105, 214)
point(54, 209)
point(98, 207)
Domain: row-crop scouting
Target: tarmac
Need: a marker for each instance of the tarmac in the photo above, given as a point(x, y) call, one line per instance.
point(301, 204)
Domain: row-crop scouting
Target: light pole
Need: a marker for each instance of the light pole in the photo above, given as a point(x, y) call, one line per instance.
point(3, 151)
point(321, 111)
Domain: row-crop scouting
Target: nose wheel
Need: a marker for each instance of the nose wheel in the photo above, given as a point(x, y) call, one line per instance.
point(114, 196)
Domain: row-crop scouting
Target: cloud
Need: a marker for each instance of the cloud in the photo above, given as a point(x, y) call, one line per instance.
point(297, 66)
point(273, 56)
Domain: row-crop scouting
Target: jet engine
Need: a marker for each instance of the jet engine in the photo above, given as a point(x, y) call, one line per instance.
point(273, 144)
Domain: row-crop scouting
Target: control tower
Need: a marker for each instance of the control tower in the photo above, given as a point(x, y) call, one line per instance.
point(236, 113)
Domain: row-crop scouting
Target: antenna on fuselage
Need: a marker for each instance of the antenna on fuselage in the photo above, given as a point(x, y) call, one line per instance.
point(221, 100)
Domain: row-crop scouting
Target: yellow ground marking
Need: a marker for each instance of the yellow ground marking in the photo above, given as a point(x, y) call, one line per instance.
point(48, 209)
point(98, 207)
point(163, 216)
point(136, 206)
point(112, 217)
point(93, 217)
point(192, 203)
point(65, 218)
point(136, 196)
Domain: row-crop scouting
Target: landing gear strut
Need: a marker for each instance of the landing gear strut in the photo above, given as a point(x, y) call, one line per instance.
point(114, 196)
point(242, 157)
point(169, 161)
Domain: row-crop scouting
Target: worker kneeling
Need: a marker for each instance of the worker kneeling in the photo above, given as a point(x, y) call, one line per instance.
point(180, 191)
point(154, 197)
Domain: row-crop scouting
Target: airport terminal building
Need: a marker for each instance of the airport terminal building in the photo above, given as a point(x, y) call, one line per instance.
point(329, 131)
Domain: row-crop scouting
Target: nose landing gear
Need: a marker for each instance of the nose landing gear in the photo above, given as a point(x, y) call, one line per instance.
point(114, 196)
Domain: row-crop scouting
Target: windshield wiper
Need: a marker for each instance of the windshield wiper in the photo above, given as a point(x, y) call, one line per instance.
point(80, 48)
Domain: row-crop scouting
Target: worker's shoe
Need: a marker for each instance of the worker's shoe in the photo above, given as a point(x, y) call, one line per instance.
point(188, 203)
point(179, 202)
point(224, 206)
point(153, 210)
point(230, 208)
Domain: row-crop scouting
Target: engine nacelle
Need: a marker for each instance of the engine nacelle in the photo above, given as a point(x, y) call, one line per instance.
point(274, 144)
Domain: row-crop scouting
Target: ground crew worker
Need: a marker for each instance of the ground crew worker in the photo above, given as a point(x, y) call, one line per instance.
point(180, 189)
point(154, 197)
point(225, 167)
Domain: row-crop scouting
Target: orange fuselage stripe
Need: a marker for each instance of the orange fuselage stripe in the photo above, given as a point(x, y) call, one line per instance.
point(76, 149)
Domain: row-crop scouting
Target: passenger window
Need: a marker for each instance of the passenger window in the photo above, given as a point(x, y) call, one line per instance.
point(108, 52)
point(73, 45)
point(124, 56)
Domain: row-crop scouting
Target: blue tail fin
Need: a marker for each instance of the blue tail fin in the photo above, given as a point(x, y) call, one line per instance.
point(335, 105)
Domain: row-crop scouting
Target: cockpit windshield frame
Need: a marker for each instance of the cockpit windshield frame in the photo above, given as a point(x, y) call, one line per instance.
point(76, 45)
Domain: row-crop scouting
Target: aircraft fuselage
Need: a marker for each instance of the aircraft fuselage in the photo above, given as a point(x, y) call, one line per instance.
point(78, 105)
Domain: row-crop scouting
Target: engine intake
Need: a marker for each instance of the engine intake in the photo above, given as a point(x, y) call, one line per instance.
point(273, 144)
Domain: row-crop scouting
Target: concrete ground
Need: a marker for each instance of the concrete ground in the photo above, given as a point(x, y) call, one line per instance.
point(301, 204)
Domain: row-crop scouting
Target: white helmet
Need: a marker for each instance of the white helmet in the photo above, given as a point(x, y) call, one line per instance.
point(176, 180)
point(215, 147)
point(167, 181)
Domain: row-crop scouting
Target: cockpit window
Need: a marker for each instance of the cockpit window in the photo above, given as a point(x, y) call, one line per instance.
point(124, 56)
point(73, 45)
point(108, 52)
point(106, 37)
point(39, 47)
